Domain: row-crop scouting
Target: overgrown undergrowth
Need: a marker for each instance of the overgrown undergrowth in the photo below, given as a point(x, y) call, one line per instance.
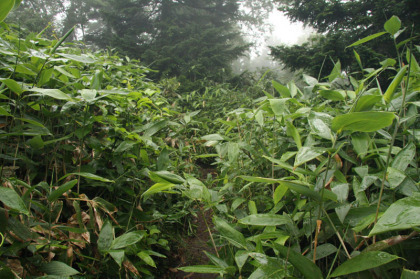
point(100, 168)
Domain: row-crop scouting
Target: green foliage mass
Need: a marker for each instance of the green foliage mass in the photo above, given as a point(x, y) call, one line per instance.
point(100, 168)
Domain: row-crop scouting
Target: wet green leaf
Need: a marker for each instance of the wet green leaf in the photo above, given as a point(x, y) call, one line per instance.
point(265, 220)
point(157, 188)
point(88, 175)
point(162, 176)
point(320, 124)
point(410, 274)
point(78, 58)
point(404, 157)
point(369, 121)
point(203, 269)
point(333, 95)
point(13, 85)
point(394, 84)
point(281, 89)
point(306, 154)
point(59, 269)
point(61, 190)
point(11, 199)
point(308, 269)
point(362, 262)
point(127, 239)
point(5, 7)
point(279, 106)
point(367, 39)
point(230, 234)
point(54, 93)
point(241, 257)
point(366, 102)
point(106, 236)
point(144, 255)
point(402, 214)
point(392, 25)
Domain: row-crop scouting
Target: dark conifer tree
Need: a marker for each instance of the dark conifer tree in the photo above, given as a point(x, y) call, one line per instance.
point(339, 24)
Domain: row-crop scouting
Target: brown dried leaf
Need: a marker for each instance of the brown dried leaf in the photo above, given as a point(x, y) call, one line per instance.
point(129, 266)
point(15, 266)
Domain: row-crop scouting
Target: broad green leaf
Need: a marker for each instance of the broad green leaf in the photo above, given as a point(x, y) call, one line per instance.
point(305, 190)
point(311, 81)
point(395, 177)
point(215, 260)
point(78, 58)
point(279, 106)
point(88, 94)
point(394, 84)
point(259, 117)
point(4, 112)
point(401, 215)
point(308, 269)
point(127, 239)
point(157, 188)
point(155, 127)
point(203, 269)
point(336, 72)
point(323, 251)
point(360, 142)
point(88, 175)
point(213, 137)
point(96, 81)
point(240, 258)
point(106, 236)
point(410, 274)
point(63, 71)
point(333, 95)
point(61, 190)
point(161, 176)
point(283, 90)
point(306, 154)
point(144, 255)
point(279, 193)
point(54, 93)
point(369, 121)
point(392, 25)
point(265, 220)
point(226, 231)
point(252, 206)
point(363, 261)
point(366, 102)
point(404, 157)
point(233, 151)
point(124, 146)
point(58, 269)
point(13, 85)
point(11, 199)
point(36, 142)
point(293, 132)
point(320, 124)
point(104, 205)
point(366, 39)
point(359, 61)
point(269, 268)
point(25, 70)
point(259, 179)
point(118, 256)
point(5, 7)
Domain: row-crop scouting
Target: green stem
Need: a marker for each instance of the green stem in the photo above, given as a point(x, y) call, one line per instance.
point(388, 158)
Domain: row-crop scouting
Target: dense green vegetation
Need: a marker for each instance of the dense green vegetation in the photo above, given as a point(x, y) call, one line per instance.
point(105, 172)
